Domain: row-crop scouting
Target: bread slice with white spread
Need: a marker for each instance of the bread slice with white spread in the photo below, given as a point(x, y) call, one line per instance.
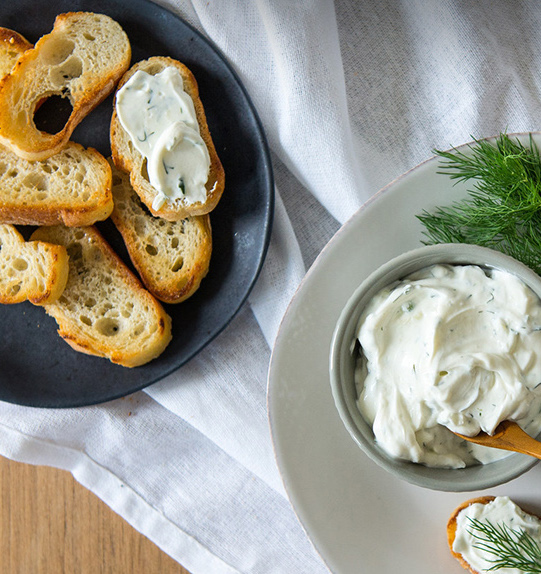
point(185, 193)
point(171, 257)
point(12, 46)
point(104, 310)
point(487, 530)
point(72, 188)
point(30, 270)
point(82, 59)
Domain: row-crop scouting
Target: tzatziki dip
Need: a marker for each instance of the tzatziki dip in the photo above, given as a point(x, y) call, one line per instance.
point(449, 348)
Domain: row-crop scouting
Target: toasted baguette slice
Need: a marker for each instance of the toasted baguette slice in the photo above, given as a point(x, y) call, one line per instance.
point(82, 59)
point(171, 257)
point(30, 270)
point(452, 528)
point(104, 310)
point(12, 46)
point(72, 188)
point(127, 158)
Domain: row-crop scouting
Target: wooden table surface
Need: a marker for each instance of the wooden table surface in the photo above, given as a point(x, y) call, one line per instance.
point(49, 523)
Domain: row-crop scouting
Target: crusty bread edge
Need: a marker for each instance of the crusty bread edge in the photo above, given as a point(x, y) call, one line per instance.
point(58, 278)
point(14, 39)
point(216, 182)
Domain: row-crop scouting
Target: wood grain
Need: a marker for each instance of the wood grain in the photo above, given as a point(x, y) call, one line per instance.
point(49, 523)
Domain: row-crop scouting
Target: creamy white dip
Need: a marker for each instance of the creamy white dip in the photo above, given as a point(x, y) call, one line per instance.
point(450, 347)
point(160, 119)
point(498, 512)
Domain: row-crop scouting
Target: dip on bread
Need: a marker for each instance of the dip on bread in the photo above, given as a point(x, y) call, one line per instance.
point(501, 513)
point(450, 347)
point(160, 119)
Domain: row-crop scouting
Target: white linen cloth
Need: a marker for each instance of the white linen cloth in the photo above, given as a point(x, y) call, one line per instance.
point(350, 94)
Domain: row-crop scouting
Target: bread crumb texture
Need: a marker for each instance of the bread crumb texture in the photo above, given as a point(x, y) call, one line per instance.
point(104, 310)
point(72, 187)
point(171, 258)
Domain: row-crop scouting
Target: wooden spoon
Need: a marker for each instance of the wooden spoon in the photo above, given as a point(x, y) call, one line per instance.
point(508, 436)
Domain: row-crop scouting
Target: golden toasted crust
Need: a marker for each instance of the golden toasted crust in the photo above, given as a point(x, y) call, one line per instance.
point(12, 46)
point(30, 271)
point(171, 257)
point(82, 58)
point(127, 158)
point(14, 40)
point(451, 527)
point(104, 310)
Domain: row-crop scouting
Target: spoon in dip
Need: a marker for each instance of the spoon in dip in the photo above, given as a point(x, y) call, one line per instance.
point(508, 436)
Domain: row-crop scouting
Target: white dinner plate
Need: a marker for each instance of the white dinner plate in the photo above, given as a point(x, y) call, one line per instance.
point(360, 518)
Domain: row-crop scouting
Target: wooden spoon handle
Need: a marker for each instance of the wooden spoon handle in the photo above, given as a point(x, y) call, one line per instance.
point(510, 434)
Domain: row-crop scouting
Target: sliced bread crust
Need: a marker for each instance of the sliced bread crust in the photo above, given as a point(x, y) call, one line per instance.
point(171, 258)
point(12, 46)
point(30, 270)
point(72, 188)
point(104, 310)
point(127, 158)
point(82, 58)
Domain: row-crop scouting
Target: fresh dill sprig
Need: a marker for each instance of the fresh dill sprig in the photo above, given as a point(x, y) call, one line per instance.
point(503, 210)
point(511, 548)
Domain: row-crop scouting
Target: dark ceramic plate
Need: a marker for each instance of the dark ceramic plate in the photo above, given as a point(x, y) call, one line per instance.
point(37, 368)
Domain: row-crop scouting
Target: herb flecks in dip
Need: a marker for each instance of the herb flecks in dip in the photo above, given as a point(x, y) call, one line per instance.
point(450, 347)
point(160, 118)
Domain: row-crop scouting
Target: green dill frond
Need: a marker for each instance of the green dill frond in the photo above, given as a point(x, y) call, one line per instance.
point(503, 208)
point(510, 548)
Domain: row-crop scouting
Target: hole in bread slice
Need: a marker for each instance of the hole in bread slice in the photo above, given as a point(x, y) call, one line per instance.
point(107, 326)
point(144, 170)
point(53, 113)
point(68, 71)
point(35, 180)
point(20, 264)
point(177, 265)
point(75, 252)
point(56, 51)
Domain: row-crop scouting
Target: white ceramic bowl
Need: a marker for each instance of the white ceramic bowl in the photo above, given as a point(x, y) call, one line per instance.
point(344, 354)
